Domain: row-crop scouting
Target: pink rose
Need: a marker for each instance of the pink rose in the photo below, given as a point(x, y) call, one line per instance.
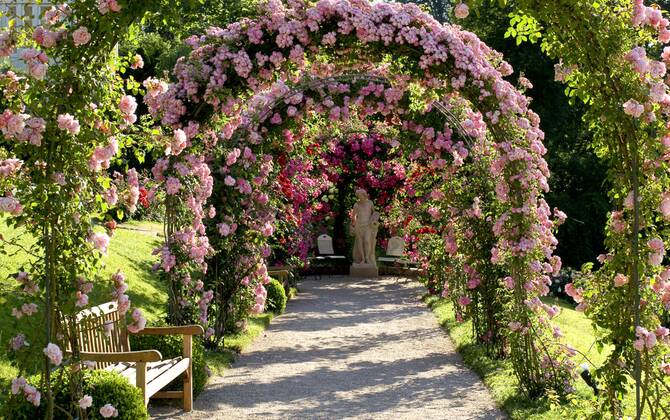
point(81, 36)
point(106, 6)
point(172, 186)
point(664, 207)
point(100, 242)
point(461, 11)
point(32, 395)
point(67, 122)
point(267, 230)
point(179, 142)
point(18, 384)
point(137, 63)
point(620, 280)
point(108, 411)
point(464, 301)
point(82, 299)
point(127, 106)
point(85, 402)
point(17, 342)
point(10, 205)
point(140, 322)
point(54, 353)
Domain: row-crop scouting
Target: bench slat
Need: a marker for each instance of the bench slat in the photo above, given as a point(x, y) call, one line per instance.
point(159, 374)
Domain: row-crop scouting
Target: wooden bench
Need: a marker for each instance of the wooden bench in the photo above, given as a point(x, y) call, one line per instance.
point(103, 339)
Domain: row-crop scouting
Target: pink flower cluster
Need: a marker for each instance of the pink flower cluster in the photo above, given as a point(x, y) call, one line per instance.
point(128, 106)
point(45, 37)
point(657, 251)
point(100, 241)
point(120, 287)
point(22, 127)
point(261, 294)
point(577, 294)
point(7, 44)
point(102, 156)
point(132, 194)
point(36, 61)
point(106, 6)
point(651, 16)
point(18, 342)
point(139, 322)
point(648, 339)
point(31, 394)
point(67, 122)
point(26, 309)
point(203, 305)
point(10, 205)
point(29, 286)
point(108, 410)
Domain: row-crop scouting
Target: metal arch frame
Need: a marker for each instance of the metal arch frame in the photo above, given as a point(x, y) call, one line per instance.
point(317, 82)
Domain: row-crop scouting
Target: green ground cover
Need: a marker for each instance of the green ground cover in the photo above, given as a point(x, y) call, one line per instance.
point(498, 375)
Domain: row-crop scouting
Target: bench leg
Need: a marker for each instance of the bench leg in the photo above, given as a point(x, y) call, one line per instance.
point(141, 380)
point(188, 375)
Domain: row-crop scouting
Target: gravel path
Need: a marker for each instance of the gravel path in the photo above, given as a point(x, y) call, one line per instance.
point(348, 348)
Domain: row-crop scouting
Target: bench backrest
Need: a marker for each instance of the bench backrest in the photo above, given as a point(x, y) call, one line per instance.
point(325, 245)
point(102, 329)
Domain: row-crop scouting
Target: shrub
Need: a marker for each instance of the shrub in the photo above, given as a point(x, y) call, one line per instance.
point(276, 299)
point(171, 346)
point(103, 386)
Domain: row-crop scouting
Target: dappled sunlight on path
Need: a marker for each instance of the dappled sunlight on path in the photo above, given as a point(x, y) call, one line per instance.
point(349, 348)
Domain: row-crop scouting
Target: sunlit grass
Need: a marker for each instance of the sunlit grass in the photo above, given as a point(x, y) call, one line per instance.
point(499, 377)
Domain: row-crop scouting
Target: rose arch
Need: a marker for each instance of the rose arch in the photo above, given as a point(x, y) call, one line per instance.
point(245, 91)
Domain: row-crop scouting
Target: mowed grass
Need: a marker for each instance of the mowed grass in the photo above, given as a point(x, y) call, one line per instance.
point(499, 377)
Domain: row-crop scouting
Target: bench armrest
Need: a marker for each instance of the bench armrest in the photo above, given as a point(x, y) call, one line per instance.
point(125, 356)
point(177, 329)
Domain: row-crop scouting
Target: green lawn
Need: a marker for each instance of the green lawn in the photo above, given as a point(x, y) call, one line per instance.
point(498, 375)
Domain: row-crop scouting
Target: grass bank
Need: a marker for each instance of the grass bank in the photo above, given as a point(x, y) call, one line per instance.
point(130, 251)
point(499, 377)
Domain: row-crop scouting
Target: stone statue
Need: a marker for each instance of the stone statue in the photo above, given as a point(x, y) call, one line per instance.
point(364, 223)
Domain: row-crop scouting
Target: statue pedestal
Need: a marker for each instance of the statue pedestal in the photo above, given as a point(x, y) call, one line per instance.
point(363, 270)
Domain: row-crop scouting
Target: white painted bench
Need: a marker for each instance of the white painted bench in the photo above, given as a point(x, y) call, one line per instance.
point(324, 244)
point(103, 339)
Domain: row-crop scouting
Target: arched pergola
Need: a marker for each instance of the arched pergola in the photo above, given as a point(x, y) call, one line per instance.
point(243, 86)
